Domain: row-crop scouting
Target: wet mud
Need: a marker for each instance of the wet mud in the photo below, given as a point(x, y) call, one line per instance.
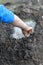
point(25, 51)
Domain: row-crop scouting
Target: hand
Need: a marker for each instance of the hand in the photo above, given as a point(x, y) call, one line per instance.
point(27, 31)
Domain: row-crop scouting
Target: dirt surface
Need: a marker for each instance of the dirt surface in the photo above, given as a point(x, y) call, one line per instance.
point(25, 51)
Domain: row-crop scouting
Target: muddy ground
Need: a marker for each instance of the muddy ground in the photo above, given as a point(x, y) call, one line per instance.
point(25, 51)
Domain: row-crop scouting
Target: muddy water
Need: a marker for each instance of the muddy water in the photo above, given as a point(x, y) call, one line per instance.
point(17, 32)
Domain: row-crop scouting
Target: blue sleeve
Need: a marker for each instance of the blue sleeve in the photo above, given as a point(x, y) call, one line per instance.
point(6, 16)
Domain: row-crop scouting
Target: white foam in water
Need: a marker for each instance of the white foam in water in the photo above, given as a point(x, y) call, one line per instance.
point(18, 32)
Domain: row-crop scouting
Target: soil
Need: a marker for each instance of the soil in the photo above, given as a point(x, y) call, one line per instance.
point(25, 51)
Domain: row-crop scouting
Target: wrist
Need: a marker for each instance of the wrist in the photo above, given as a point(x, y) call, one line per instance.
point(25, 27)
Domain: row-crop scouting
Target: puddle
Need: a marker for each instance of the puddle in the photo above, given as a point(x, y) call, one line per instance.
point(18, 32)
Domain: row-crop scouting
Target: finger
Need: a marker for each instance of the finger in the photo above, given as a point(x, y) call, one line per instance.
point(27, 35)
point(29, 31)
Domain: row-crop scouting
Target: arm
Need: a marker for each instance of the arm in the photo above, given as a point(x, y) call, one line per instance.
point(19, 23)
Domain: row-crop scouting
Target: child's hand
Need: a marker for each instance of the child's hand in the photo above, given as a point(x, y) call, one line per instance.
point(27, 31)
